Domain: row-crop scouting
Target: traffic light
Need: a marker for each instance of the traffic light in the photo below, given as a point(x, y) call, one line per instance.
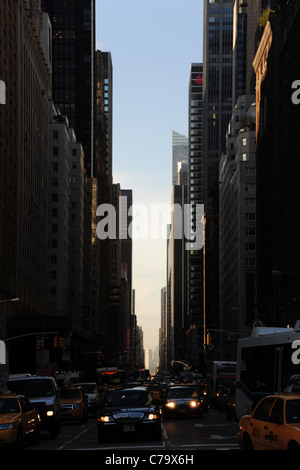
point(38, 344)
point(61, 342)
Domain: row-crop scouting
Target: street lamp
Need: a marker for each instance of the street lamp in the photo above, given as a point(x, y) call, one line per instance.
point(10, 300)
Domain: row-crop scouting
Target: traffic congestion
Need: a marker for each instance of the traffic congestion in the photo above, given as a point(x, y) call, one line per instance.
point(165, 413)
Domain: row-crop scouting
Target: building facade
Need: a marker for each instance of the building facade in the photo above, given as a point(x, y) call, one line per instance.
point(237, 229)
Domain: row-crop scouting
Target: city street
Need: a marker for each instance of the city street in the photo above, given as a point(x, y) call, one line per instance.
point(212, 432)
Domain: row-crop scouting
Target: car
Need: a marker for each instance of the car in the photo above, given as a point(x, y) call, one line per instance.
point(93, 395)
point(157, 391)
point(19, 421)
point(231, 403)
point(182, 400)
point(43, 394)
point(74, 404)
point(274, 424)
point(129, 412)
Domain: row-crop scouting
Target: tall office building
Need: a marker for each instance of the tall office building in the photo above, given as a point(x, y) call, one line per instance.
point(178, 275)
point(179, 152)
point(276, 66)
point(239, 72)
point(217, 109)
point(237, 228)
point(254, 33)
point(23, 171)
point(195, 197)
point(217, 87)
point(103, 171)
point(73, 52)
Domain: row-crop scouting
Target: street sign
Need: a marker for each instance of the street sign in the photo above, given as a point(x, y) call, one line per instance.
point(2, 353)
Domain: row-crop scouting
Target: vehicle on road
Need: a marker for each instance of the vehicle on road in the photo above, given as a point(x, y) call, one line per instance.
point(220, 374)
point(231, 403)
point(91, 390)
point(44, 396)
point(265, 364)
point(74, 404)
point(128, 413)
point(182, 400)
point(19, 421)
point(274, 424)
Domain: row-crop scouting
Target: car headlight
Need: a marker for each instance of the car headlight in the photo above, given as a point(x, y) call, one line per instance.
point(151, 417)
point(170, 404)
point(5, 426)
point(105, 419)
point(194, 404)
point(50, 411)
point(76, 405)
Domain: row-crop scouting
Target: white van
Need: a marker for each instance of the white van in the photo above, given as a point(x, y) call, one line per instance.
point(43, 393)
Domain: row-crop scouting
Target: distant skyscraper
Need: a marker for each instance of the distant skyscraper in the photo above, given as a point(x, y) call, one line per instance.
point(73, 25)
point(195, 197)
point(180, 147)
point(240, 15)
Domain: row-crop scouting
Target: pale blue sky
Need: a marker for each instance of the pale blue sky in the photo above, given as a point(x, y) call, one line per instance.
point(152, 44)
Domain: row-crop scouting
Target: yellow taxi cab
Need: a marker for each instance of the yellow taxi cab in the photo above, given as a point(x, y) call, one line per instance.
point(18, 420)
point(274, 424)
point(74, 404)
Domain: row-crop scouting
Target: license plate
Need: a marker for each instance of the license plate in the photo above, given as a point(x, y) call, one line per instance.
point(182, 410)
point(129, 428)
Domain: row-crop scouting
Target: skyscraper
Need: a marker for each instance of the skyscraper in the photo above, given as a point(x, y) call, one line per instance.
point(73, 46)
point(179, 151)
point(217, 109)
point(195, 197)
point(240, 17)
point(217, 87)
point(23, 169)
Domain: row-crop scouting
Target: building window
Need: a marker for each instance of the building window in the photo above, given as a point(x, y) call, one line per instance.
point(250, 246)
point(250, 262)
point(250, 216)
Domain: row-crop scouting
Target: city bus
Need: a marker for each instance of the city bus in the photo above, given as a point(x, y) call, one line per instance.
point(110, 376)
point(267, 362)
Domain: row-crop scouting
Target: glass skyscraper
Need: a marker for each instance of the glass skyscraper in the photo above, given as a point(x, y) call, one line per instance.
point(73, 31)
point(217, 71)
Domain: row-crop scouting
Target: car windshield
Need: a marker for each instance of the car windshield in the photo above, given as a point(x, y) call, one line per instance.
point(182, 393)
point(293, 411)
point(9, 405)
point(70, 393)
point(34, 388)
point(128, 398)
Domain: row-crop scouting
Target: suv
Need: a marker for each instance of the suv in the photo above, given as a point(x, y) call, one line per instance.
point(43, 393)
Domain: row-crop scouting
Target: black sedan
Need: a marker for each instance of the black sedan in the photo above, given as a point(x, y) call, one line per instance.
point(183, 400)
point(128, 413)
